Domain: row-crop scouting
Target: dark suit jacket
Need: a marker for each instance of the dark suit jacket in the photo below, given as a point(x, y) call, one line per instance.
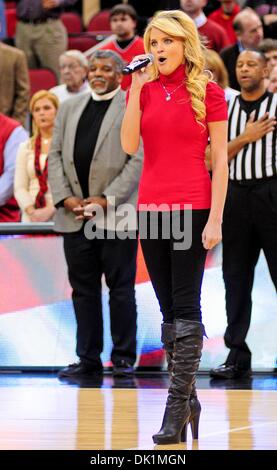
point(14, 83)
point(229, 56)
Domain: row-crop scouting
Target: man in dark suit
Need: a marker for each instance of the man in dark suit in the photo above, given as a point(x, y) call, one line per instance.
point(249, 31)
point(87, 165)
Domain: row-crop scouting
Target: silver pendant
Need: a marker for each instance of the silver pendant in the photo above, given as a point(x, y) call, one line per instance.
point(168, 98)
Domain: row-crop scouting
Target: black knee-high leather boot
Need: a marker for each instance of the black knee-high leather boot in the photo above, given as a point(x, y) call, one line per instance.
point(168, 337)
point(186, 358)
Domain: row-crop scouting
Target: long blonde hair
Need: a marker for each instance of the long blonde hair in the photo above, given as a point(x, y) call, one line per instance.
point(178, 24)
point(36, 97)
point(215, 64)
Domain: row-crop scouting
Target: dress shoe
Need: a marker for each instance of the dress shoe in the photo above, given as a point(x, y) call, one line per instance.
point(80, 369)
point(230, 371)
point(122, 369)
point(94, 380)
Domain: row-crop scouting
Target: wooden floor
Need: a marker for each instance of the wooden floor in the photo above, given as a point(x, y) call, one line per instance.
point(57, 416)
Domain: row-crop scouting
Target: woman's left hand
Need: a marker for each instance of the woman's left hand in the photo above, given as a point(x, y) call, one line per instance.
point(212, 234)
point(42, 215)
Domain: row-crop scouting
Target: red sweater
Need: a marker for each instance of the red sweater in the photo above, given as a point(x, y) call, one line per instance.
point(174, 169)
point(215, 35)
point(136, 47)
point(10, 211)
point(226, 21)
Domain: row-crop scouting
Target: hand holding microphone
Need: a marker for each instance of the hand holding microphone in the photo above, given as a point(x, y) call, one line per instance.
point(138, 69)
point(138, 63)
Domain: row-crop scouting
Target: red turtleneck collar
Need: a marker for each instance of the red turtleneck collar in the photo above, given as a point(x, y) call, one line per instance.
point(177, 76)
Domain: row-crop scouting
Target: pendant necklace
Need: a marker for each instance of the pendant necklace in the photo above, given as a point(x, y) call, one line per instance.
point(169, 93)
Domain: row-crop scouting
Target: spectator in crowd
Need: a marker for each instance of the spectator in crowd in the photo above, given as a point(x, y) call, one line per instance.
point(215, 64)
point(12, 134)
point(269, 48)
point(249, 31)
point(123, 20)
point(211, 6)
point(272, 85)
point(40, 33)
point(73, 69)
point(214, 35)
point(224, 16)
point(146, 10)
point(267, 11)
point(87, 166)
point(15, 87)
point(250, 216)
point(31, 187)
point(3, 32)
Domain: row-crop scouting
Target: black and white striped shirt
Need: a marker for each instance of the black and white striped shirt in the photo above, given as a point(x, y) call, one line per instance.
point(257, 160)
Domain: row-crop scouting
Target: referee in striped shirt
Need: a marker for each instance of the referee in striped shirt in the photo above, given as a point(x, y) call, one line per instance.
point(250, 215)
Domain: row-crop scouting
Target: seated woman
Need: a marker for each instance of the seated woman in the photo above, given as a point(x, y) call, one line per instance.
point(31, 188)
point(215, 64)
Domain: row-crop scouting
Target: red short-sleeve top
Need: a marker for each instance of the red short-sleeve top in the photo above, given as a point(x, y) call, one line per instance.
point(174, 171)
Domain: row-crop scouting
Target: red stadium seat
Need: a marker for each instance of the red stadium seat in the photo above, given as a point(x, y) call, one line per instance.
point(100, 22)
point(10, 4)
point(72, 21)
point(42, 79)
point(82, 42)
point(11, 21)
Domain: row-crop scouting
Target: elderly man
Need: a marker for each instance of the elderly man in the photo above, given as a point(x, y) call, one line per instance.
point(250, 215)
point(87, 165)
point(249, 31)
point(73, 69)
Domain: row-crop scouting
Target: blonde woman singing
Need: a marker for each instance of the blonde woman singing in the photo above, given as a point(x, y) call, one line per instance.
point(175, 107)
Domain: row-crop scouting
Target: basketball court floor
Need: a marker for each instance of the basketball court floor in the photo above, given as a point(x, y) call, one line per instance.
point(38, 411)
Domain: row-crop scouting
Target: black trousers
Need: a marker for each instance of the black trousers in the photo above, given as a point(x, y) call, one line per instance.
point(249, 225)
point(87, 260)
point(176, 275)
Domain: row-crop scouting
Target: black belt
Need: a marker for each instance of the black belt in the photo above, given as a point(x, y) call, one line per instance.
point(36, 20)
point(253, 182)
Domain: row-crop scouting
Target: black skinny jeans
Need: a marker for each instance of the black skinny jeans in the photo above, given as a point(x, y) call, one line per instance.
point(176, 275)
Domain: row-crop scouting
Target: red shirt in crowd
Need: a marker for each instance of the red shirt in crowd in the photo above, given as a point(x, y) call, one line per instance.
point(174, 170)
point(216, 37)
point(127, 54)
point(10, 211)
point(226, 21)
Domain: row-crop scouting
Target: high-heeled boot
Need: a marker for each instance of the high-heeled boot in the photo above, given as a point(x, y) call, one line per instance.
point(168, 338)
point(186, 358)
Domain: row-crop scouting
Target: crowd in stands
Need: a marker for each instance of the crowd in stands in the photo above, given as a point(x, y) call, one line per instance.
point(43, 31)
point(41, 42)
